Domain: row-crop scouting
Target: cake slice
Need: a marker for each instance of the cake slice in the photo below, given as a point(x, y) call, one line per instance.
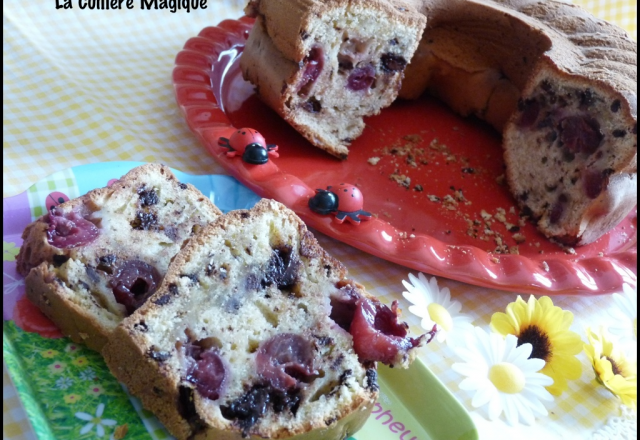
point(93, 260)
point(323, 66)
point(256, 333)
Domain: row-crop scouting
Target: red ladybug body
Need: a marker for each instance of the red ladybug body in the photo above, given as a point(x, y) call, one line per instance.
point(345, 201)
point(250, 145)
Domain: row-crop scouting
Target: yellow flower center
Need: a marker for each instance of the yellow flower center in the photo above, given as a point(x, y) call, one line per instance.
point(507, 378)
point(440, 316)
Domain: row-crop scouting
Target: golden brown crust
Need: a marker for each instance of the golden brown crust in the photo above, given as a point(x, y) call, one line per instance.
point(77, 321)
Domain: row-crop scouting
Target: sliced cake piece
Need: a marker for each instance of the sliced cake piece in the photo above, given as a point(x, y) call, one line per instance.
point(93, 260)
point(256, 333)
point(323, 66)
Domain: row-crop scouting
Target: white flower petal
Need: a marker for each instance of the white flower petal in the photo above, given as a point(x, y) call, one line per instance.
point(540, 379)
point(495, 408)
point(86, 428)
point(483, 396)
point(510, 413)
point(532, 366)
point(465, 369)
point(454, 308)
point(519, 355)
point(100, 410)
point(521, 406)
point(99, 430)
point(108, 422)
point(469, 384)
point(419, 311)
point(84, 416)
point(535, 404)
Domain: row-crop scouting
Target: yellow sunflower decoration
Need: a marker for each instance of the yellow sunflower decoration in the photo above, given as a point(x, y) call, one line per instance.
point(546, 328)
point(612, 368)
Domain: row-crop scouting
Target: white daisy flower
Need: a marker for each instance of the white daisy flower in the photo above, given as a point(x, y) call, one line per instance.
point(624, 325)
point(501, 375)
point(96, 421)
point(435, 307)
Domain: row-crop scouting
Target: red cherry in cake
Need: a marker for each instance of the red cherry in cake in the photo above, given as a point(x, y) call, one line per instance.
point(344, 201)
point(362, 78)
point(377, 334)
point(69, 230)
point(208, 373)
point(284, 360)
point(134, 282)
point(250, 145)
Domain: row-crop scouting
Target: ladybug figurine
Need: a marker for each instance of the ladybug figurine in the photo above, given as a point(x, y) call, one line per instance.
point(250, 145)
point(344, 201)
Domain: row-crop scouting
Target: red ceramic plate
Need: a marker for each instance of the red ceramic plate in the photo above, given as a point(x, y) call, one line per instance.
point(430, 178)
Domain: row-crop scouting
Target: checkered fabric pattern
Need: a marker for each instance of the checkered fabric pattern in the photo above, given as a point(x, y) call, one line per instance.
point(83, 86)
point(15, 423)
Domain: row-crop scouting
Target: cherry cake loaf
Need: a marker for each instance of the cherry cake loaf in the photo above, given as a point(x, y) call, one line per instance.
point(324, 65)
point(257, 333)
point(559, 84)
point(93, 260)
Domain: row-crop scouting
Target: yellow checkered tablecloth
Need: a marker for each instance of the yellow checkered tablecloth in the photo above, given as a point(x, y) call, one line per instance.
point(83, 86)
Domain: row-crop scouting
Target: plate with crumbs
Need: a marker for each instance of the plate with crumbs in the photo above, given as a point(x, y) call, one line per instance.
point(432, 181)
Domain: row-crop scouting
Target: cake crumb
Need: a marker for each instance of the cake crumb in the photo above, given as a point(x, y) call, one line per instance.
point(401, 179)
point(374, 160)
point(501, 179)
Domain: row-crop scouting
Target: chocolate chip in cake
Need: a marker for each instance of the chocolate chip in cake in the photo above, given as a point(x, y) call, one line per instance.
point(106, 263)
point(248, 409)
point(163, 300)
point(144, 221)
point(372, 380)
point(619, 133)
point(158, 356)
point(59, 260)
point(312, 105)
point(615, 106)
point(282, 269)
point(393, 62)
point(346, 374)
point(141, 327)
point(148, 197)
